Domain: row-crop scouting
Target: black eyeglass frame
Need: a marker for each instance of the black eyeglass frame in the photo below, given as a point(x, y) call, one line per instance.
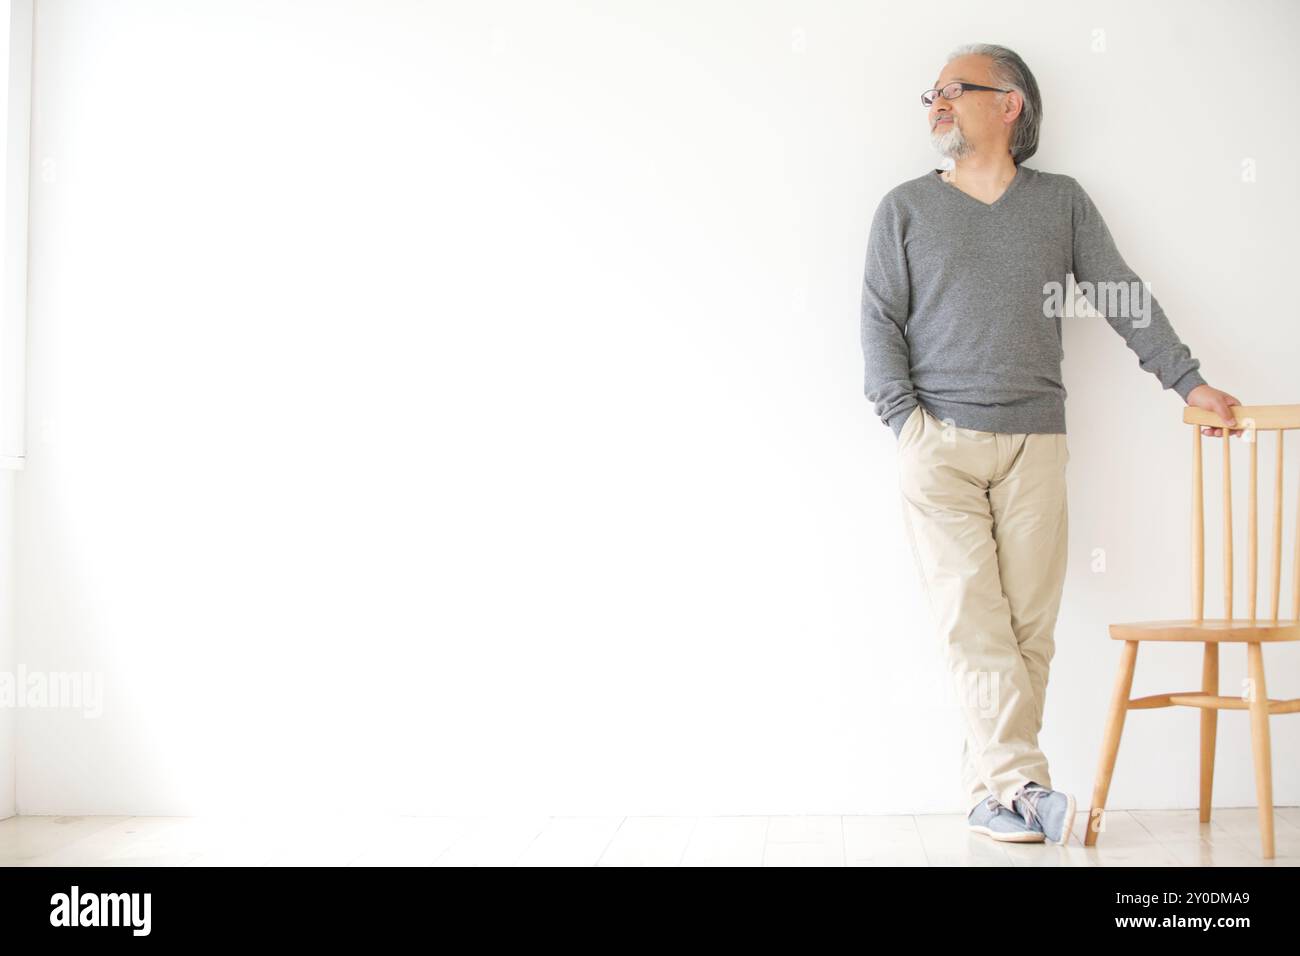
point(962, 88)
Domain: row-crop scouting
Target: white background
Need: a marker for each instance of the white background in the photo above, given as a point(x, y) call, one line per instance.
point(453, 407)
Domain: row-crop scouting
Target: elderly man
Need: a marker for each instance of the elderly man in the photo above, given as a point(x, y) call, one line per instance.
point(962, 339)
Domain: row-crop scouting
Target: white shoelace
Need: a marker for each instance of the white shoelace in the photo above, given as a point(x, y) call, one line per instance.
point(1029, 803)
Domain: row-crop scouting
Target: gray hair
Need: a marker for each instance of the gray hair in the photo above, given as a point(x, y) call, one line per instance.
point(1010, 71)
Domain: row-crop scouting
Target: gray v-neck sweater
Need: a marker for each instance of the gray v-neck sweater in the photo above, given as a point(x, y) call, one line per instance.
point(959, 314)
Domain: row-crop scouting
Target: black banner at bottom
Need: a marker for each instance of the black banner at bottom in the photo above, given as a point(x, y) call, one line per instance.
point(868, 904)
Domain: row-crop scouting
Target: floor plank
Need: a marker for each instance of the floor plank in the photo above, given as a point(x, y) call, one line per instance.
point(1127, 838)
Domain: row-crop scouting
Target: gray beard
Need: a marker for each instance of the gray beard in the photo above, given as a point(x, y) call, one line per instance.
point(952, 144)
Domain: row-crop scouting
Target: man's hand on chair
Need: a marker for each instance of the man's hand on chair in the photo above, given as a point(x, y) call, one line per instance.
point(1213, 400)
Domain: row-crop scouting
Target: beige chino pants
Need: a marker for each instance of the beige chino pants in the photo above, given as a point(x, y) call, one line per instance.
point(986, 516)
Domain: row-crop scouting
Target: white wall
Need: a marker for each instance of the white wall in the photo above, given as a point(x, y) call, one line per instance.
point(453, 407)
point(15, 147)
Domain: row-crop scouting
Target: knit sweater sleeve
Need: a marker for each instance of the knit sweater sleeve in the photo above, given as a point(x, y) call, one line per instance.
point(1105, 277)
point(886, 298)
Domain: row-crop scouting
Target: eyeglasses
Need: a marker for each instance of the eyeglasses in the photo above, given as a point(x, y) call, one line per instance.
point(954, 90)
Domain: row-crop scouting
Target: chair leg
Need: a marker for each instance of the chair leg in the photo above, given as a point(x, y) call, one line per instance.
point(1259, 739)
point(1110, 740)
point(1209, 725)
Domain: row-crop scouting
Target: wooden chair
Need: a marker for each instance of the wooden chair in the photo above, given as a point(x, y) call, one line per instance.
point(1252, 631)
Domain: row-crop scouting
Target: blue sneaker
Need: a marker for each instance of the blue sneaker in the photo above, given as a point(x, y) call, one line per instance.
point(1050, 812)
point(994, 820)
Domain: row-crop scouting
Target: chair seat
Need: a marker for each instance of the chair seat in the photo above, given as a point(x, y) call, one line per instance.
point(1208, 629)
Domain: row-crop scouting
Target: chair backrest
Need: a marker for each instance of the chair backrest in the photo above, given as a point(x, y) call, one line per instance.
point(1253, 419)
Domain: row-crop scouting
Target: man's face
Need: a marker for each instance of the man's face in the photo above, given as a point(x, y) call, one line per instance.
point(976, 120)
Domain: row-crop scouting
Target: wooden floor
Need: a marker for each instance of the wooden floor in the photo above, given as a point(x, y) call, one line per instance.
point(1131, 838)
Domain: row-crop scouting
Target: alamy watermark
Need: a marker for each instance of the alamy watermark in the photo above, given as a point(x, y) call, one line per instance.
point(53, 689)
point(1111, 300)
